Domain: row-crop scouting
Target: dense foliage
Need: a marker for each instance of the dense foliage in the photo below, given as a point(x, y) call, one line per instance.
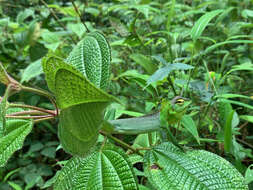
point(186, 66)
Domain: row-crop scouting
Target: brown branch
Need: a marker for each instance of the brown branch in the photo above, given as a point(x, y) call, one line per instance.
point(52, 112)
point(30, 112)
point(79, 14)
point(28, 117)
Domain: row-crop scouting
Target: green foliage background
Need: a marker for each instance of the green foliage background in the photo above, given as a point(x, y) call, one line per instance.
point(151, 41)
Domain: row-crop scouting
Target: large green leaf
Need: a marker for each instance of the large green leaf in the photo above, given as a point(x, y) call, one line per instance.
point(82, 105)
point(169, 168)
point(72, 88)
point(107, 168)
point(79, 127)
point(16, 132)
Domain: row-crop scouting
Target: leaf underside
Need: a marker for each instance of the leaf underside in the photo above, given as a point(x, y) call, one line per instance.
point(107, 168)
point(169, 168)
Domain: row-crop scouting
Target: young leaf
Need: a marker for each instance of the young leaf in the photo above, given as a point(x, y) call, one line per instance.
point(145, 62)
point(107, 168)
point(33, 70)
point(190, 126)
point(169, 168)
point(202, 22)
point(163, 72)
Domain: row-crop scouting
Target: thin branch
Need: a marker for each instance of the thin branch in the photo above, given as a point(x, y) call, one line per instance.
point(79, 14)
point(43, 93)
point(245, 143)
point(57, 19)
point(28, 117)
point(42, 119)
point(30, 112)
point(52, 112)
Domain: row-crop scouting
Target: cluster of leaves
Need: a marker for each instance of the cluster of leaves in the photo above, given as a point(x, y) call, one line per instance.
point(159, 48)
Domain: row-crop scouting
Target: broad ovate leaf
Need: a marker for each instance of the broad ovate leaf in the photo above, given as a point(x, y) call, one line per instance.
point(169, 168)
point(106, 168)
point(82, 105)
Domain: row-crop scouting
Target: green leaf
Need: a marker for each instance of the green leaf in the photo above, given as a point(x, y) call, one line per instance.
point(79, 127)
point(163, 72)
point(145, 62)
point(14, 185)
point(202, 22)
point(106, 168)
point(228, 131)
point(248, 118)
point(212, 47)
point(168, 168)
point(92, 57)
point(249, 174)
point(190, 126)
point(236, 103)
point(72, 88)
point(13, 140)
point(33, 70)
point(233, 96)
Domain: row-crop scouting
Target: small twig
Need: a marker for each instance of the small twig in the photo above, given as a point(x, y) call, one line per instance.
point(43, 93)
point(52, 112)
point(79, 14)
point(42, 119)
point(243, 125)
point(57, 19)
point(245, 143)
point(30, 112)
point(143, 148)
point(28, 117)
point(121, 142)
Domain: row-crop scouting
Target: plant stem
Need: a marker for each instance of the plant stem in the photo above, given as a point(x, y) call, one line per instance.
point(52, 112)
point(121, 142)
point(77, 11)
point(43, 119)
point(28, 117)
point(57, 19)
point(30, 112)
point(150, 139)
point(43, 93)
point(172, 86)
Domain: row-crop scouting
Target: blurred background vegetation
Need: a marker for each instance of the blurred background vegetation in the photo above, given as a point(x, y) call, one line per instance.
point(146, 37)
